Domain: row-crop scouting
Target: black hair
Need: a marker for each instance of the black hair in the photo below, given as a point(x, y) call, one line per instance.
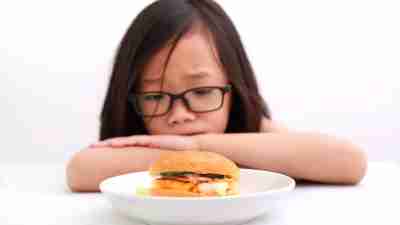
point(166, 21)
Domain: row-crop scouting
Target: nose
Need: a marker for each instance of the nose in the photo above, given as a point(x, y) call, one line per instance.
point(180, 113)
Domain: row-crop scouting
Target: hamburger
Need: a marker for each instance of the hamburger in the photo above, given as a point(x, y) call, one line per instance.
point(193, 174)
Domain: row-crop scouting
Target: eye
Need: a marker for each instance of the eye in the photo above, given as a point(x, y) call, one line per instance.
point(153, 97)
point(203, 91)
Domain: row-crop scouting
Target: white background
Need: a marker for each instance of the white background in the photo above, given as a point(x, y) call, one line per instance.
point(328, 66)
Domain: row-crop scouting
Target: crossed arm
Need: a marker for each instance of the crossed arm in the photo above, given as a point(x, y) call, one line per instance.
point(306, 156)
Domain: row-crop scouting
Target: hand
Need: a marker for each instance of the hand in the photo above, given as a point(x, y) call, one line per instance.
point(170, 142)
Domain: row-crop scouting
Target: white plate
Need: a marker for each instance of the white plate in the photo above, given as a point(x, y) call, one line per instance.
point(259, 190)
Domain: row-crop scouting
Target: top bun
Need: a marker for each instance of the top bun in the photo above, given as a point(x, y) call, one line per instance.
point(200, 162)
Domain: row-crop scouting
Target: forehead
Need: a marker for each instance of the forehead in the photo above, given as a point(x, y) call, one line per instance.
point(194, 58)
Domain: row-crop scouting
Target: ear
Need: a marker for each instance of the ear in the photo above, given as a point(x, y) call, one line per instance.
point(268, 125)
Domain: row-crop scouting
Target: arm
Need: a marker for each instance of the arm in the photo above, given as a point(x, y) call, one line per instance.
point(309, 156)
point(87, 168)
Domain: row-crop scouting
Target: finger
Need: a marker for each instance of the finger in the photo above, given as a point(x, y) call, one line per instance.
point(123, 143)
point(135, 140)
point(145, 142)
point(105, 143)
point(131, 141)
point(99, 144)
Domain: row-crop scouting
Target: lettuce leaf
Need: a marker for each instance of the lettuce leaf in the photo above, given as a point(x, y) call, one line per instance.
point(142, 191)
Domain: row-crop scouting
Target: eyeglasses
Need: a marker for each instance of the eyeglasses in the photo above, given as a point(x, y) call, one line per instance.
point(198, 100)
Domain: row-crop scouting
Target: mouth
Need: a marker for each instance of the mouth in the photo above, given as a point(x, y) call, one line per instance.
point(194, 133)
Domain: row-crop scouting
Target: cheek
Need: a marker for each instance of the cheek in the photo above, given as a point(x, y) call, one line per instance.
point(154, 126)
point(219, 119)
point(227, 109)
point(218, 122)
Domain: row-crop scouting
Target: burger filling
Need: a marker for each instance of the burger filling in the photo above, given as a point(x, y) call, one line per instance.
point(207, 184)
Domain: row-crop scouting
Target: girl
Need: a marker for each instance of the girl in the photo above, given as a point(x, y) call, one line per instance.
point(181, 80)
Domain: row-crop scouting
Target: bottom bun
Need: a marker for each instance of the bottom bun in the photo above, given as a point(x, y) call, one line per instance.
point(174, 193)
point(182, 193)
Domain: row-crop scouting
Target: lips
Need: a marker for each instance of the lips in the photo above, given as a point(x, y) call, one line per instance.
point(193, 133)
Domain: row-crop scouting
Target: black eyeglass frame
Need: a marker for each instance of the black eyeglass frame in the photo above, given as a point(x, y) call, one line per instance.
point(132, 98)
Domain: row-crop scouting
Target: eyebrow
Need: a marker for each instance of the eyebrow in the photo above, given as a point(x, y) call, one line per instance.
point(190, 76)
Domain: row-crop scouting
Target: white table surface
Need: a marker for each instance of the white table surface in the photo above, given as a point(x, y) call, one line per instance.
point(36, 194)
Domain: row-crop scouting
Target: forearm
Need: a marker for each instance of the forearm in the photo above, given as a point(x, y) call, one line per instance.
point(306, 156)
point(87, 168)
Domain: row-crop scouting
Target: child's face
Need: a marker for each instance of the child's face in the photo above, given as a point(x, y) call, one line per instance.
point(192, 64)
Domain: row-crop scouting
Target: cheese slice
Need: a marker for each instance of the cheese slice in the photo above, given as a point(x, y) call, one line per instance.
point(219, 188)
